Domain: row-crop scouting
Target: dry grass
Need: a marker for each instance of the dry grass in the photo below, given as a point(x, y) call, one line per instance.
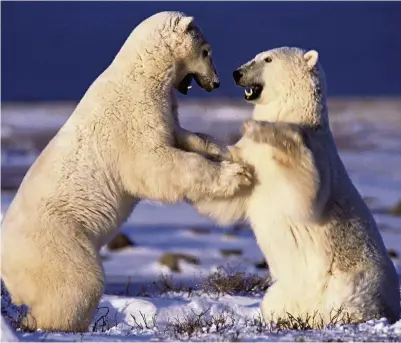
point(195, 324)
point(165, 285)
point(226, 325)
point(145, 324)
point(223, 281)
point(102, 322)
point(290, 322)
point(226, 281)
point(200, 323)
point(257, 323)
point(311, 321)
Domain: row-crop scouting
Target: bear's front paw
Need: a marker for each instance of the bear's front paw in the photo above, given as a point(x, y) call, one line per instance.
point(213, 151)
point(233, 176)
point(217, 153)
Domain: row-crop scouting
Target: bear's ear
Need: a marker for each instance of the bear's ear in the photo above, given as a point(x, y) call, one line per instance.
point(187, 24)
point(311, 57)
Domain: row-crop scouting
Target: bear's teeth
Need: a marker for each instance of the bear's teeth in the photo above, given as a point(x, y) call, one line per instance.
point(248, 92)
point(189, 87)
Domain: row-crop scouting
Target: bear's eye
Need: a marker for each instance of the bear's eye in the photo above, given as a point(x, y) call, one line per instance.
point(205, 53)
point(268, 59)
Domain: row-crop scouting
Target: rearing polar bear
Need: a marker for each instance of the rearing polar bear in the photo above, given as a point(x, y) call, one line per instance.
point(122, 143)
point(325, 253)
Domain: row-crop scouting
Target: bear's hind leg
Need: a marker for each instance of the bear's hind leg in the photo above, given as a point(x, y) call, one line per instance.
point(279, 305)
point(63, 289)
point(274, 304)
point(67, 309)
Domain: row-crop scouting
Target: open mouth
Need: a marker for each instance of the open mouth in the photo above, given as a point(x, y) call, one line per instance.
point(253, 92)
point(185, 84)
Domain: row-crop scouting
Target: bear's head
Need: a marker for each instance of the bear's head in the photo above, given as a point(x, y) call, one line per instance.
point(282, 73)
point(195, 56)
point(173, 39)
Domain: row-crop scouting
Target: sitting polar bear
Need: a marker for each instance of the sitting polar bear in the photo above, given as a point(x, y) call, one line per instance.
point(326, 256)
point(122, 144)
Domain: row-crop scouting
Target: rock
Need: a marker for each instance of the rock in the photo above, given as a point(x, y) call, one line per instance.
point(188, 258)
point(199, 230)
point(244, 226)
point(396, 210)
point(262, 265)
point(120, 241)
point(231, 252)
point(171, 260)
point(230, 235)
point(236, 230)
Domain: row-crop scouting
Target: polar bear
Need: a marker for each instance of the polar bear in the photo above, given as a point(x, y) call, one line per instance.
point(121, 144)
point(324, 251)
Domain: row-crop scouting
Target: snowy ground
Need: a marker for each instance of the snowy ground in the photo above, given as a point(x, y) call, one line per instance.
point(368, 134)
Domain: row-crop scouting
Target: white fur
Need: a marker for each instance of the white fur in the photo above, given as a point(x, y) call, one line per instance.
point(120, 145)
point(319, 238)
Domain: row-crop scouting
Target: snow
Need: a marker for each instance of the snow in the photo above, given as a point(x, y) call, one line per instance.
point(149, 319)
point(371, 151)
point(7, 333)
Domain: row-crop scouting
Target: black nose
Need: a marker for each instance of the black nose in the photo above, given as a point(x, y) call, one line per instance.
point(237, 75)
point(216, 84)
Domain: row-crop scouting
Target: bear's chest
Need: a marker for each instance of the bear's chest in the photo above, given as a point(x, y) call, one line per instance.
point(291, 247)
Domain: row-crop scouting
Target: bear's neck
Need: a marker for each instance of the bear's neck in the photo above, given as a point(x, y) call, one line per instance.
point(147, 66)
point(306, 112)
